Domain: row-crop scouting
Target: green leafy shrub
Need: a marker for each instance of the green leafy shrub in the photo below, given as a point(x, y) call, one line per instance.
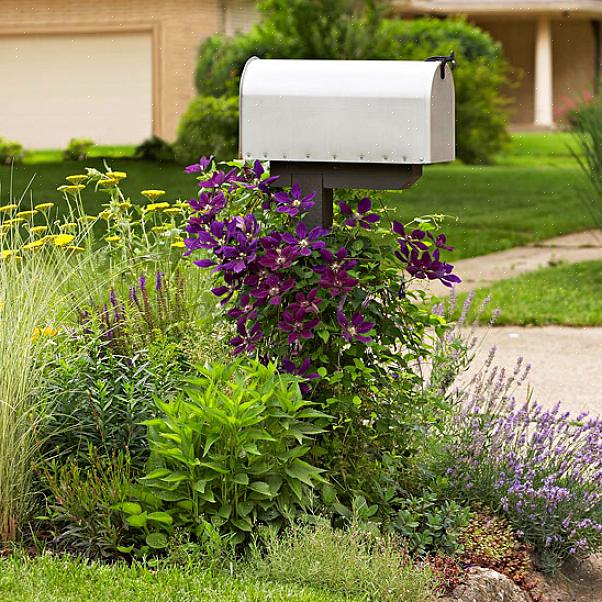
point(97, 397)
point(78, 149)
point(83, 504)
point(355, 562)
point(11, 153)
point(339, 30)
point(229, 453)
point(155, 149)
point(209, 127)
point(430, 524)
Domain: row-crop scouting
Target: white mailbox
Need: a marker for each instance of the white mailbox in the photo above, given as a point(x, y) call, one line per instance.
point(387, 112)
point(347, 124)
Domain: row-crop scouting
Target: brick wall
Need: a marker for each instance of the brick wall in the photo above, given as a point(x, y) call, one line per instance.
point(177, 26)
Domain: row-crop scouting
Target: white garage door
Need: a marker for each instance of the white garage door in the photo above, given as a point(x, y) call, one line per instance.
point(57, 87)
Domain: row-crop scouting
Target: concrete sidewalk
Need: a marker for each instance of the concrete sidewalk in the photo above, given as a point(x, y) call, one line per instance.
point(566, 362)
point(484, 270)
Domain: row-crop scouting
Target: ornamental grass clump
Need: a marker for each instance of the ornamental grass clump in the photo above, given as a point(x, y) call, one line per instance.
point(542, 468)
point(34, 282)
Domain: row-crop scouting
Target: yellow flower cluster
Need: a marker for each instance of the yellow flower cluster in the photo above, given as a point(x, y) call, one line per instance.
point(47, 331)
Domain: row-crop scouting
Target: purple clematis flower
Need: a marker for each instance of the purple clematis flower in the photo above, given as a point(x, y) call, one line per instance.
point(334, 276)
point(219, 178)
point(245, 309)
point(272, 288)
point(262, 184)
point(356, 328)
point(306, 241)
point(361, 216)
point(429, 267)
point(295, 323)
point(246, 340)
point(208, 205)
point(308, 302)
point(202, 165)
point(293, 204)
point(279, 258)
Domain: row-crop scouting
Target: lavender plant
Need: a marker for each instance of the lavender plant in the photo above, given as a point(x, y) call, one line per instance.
point(540, 467)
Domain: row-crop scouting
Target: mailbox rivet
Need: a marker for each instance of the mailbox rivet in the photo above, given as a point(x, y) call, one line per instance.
point(421, 159)
point(362, 157)
point(386, 158)
point(307, 156)
point(265, 155)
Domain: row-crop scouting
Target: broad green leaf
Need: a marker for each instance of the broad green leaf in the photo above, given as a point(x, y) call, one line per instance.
point(136, 520)
point(261, 487)
point(161, 517)
point(243, 524)
point(157, 473)
point(241, 478)
point(129, 507)
point(156, 540)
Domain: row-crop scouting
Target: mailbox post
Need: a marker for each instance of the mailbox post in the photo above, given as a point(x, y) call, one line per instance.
point(346, 124)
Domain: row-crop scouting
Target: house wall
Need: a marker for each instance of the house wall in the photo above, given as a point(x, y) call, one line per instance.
point(573, 61)
point(177, 27)
point(518, 44)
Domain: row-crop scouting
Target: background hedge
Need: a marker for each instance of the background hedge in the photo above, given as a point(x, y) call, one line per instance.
point(339, 29)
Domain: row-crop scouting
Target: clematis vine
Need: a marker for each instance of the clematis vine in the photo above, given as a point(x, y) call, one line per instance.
point(310, 299)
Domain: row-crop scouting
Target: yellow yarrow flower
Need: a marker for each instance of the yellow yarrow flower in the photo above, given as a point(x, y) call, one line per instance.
point(44, 206)
point(76, 179)
point(34, 244)
point(68, 226)
point(71, 189)
point(113, 238)
point(87, 218)
point(60, 240)
point(117, 175)
point(47, 331)
point(38, 229)
point(108, 182)
point(179, 244)
point(152, 195)
point(74, 248)
point(6, 253)
point(26, 214)
point(124, 205)
point(15, 220)
point(172, 210)
point(159, 228)
point(8, 208)
point(156, 206)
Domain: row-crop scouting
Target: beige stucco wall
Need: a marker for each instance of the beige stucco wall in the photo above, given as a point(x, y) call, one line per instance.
point(518, 43)
point(177, 27)
point(573, 56)
point(573, 60)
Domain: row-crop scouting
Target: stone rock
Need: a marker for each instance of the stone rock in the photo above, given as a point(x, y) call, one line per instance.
point(486, 585)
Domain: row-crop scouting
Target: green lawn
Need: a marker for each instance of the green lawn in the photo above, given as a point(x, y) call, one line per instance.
point(566, 294)
point(530, 195)
point(61, 579)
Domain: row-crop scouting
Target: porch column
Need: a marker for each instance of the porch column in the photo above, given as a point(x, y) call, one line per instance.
point(544, 115)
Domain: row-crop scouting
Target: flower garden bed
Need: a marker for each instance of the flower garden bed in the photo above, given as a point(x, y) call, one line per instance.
point(212, 388)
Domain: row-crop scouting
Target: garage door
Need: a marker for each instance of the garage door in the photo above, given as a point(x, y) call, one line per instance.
point(57, 87)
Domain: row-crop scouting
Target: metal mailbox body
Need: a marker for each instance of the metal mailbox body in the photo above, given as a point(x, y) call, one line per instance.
point(323, 111)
